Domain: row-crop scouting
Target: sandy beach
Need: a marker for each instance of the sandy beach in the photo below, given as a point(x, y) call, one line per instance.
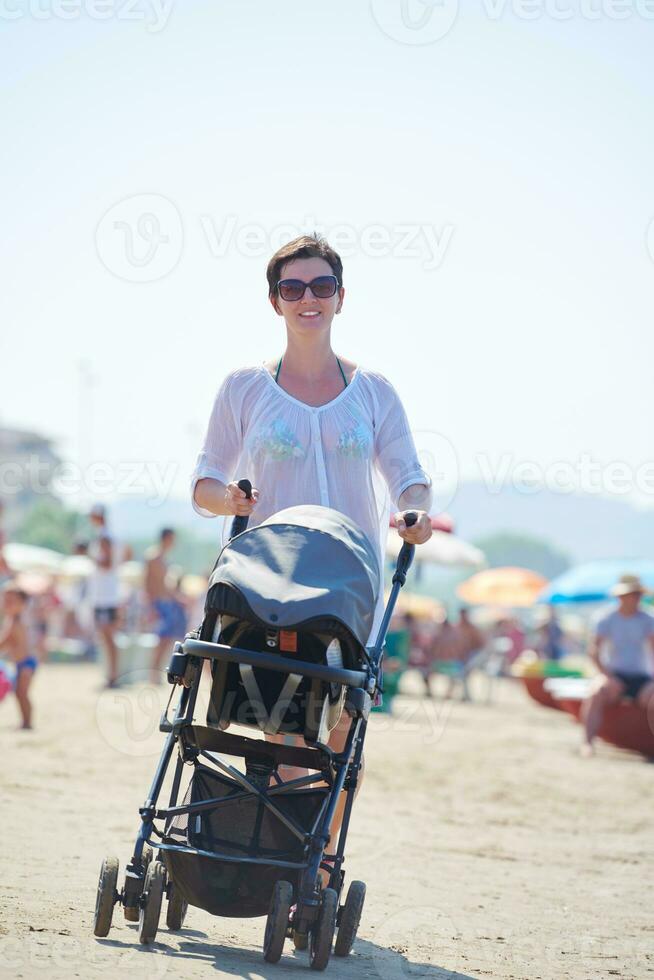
point(490, 849)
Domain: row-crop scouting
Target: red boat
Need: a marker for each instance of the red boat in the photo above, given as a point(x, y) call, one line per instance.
point(535, 687)
point(625, 725)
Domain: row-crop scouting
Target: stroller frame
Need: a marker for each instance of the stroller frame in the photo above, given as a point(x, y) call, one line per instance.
point(141, 894)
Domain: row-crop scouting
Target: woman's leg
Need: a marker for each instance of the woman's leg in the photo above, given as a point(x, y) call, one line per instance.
point(336, 742)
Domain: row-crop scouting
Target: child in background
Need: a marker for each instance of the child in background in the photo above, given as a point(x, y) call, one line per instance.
point(14, 641)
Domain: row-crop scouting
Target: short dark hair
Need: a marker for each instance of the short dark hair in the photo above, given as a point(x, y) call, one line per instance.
point(305, 247)
point(166, 532)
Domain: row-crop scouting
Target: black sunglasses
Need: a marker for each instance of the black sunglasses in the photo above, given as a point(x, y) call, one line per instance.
point(292, 290)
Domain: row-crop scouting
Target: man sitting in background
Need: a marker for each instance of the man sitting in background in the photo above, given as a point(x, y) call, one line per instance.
point(627, 670)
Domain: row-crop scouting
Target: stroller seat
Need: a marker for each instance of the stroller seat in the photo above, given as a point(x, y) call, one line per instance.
point(302, 584)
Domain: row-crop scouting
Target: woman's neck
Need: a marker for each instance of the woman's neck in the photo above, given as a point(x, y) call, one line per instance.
point(309, 361)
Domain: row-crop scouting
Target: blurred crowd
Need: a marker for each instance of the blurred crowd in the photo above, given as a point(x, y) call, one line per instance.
point(97, 602)
point(436, 645)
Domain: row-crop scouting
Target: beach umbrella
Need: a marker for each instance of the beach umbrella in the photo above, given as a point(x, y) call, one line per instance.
point(131, 573)
point(29, 558)
point(77, 566)
point(420, 606)
point(593, 581)
point(441, 549)
point(34, 583)
point(193, 586)
point(507, 587)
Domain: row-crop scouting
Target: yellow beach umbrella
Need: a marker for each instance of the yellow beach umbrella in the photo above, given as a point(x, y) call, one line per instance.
point(508, 587)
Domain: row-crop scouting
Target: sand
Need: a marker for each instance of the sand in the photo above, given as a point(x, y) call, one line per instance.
point(490, 849)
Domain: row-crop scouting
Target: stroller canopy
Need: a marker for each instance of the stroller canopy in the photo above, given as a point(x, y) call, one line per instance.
point(300, 564)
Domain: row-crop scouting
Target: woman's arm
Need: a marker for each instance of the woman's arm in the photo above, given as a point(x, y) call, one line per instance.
point(416, 497)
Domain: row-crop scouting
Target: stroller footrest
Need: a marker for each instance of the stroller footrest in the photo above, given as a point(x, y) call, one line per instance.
point(257, 750)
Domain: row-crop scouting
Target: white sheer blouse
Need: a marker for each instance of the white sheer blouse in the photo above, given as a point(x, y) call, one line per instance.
point(355, 453)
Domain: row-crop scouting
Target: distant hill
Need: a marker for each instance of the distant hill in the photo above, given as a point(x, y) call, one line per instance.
point(583, 526)
point(133, 519)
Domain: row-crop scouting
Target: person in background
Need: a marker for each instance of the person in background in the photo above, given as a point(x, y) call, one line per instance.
point(445, 652)
point(104, 588)
point(164, 603)
point(551, 637)
point(510, 629)
point(623, 651)
point(471, 642)
point(14, 641)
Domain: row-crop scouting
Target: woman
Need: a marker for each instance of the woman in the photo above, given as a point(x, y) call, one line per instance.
point(310, 427)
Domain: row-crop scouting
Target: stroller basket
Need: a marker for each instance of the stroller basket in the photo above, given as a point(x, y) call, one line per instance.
point(243, 829)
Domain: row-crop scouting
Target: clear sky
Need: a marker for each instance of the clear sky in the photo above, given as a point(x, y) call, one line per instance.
point(511, 158)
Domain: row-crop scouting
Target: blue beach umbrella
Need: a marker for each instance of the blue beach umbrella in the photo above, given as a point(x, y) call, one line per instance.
point(593, 581)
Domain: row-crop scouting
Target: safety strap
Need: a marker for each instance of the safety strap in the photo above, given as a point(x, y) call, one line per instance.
point(265, 721)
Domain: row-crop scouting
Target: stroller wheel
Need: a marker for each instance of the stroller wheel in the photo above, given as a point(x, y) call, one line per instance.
point(153, 889)
point(322, 934)
point(106, 897)
point(132, 913)
point(277, 921)
point(176, 911)
point(350, 918)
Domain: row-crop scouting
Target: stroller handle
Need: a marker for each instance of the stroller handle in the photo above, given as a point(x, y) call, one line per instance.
point(407, 551)
point(240, 523)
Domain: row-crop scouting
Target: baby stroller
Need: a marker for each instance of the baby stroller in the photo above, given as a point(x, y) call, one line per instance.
point(288, 612)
